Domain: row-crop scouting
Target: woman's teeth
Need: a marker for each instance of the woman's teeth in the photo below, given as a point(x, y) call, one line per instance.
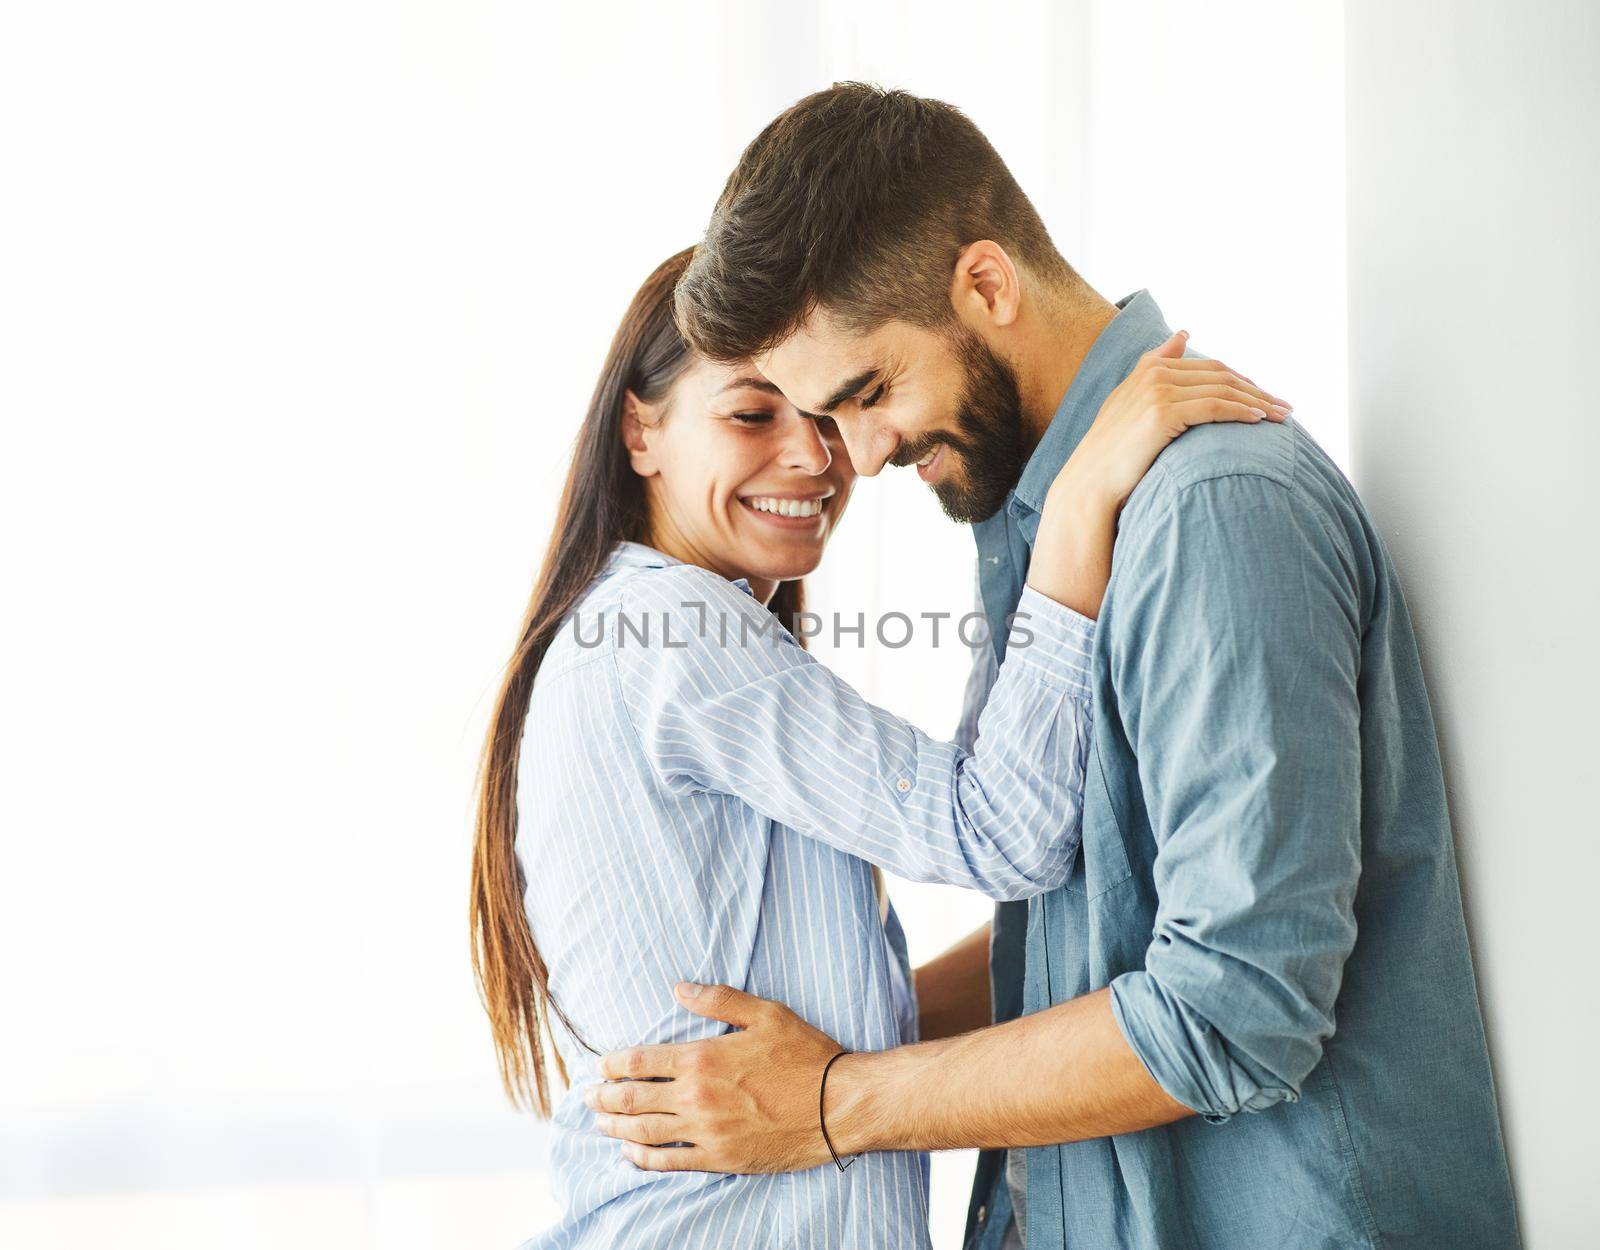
point(785, 507)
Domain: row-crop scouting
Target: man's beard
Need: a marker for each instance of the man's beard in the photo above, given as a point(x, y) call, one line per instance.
point(990, 438)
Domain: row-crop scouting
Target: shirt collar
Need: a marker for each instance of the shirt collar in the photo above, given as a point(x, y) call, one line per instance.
point(632, 555)
point(1135, 329)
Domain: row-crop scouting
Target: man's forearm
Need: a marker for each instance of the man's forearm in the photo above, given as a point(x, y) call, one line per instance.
point(1059, 1075)
point(953, 989)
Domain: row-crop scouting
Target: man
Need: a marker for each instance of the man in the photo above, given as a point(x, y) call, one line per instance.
point(1249, 1019)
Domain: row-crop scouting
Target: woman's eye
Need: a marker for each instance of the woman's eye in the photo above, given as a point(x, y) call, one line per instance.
point(876, 395)
point(752, 418)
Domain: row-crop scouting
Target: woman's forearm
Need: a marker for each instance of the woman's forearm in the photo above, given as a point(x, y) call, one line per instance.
point(1072, 552)
point(1163, 396)
point(953, 989)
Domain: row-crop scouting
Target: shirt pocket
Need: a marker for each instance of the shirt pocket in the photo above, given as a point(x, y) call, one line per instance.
point(1102, 862)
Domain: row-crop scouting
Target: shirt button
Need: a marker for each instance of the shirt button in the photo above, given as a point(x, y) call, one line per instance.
point(902, 785)
point(983, 1214)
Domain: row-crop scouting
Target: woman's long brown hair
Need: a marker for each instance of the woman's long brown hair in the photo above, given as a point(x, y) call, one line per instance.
point(602, 503)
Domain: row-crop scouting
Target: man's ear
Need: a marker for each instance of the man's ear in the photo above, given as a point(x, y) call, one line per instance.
point(638, 426)
point(986, 288)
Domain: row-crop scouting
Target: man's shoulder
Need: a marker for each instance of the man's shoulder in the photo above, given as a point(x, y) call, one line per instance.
point(1212, 469)
point(1229, 449)
point(1251, 502)
point(1238, 532)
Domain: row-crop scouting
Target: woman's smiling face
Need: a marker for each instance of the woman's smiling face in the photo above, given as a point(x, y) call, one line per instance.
point(736, 479)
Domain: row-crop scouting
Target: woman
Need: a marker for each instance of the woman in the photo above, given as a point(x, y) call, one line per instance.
point(674, 790)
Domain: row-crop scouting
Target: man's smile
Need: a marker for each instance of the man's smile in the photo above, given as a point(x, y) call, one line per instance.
point(928, 467)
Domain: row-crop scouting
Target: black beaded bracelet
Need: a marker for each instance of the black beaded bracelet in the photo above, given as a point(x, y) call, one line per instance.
point(822, 1122)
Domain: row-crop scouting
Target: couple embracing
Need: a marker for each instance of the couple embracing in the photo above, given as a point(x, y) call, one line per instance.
point(1226, 1000)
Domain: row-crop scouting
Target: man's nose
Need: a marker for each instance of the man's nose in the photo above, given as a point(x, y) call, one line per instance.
point(869, 448)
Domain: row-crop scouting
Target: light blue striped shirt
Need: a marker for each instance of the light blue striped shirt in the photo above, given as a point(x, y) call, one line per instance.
point(699, 799)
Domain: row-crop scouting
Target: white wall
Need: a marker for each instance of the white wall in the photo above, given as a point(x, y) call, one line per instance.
point(1474, 150)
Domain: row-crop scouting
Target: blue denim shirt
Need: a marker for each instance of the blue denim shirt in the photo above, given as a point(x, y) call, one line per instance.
point(1267, 881)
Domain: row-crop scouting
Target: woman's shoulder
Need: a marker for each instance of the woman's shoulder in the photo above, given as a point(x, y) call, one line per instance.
point(642, 609)
point(641, 576)
point(685, 590)
point(684, 613)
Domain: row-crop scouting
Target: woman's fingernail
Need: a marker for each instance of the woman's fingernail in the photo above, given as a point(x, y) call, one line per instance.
point(603, 1124)
point(689, 989)
point(1259, 415)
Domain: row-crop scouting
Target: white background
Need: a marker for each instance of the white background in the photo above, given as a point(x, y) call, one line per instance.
point(1474, 262)
point(300, 305)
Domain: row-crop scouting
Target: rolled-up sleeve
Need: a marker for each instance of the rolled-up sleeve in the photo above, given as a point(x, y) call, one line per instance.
point(1239, 674)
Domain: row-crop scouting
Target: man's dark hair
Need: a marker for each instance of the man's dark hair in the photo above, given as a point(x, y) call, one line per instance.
point(858, 200)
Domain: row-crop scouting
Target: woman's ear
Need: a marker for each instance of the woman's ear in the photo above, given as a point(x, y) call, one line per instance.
point(638, 428)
